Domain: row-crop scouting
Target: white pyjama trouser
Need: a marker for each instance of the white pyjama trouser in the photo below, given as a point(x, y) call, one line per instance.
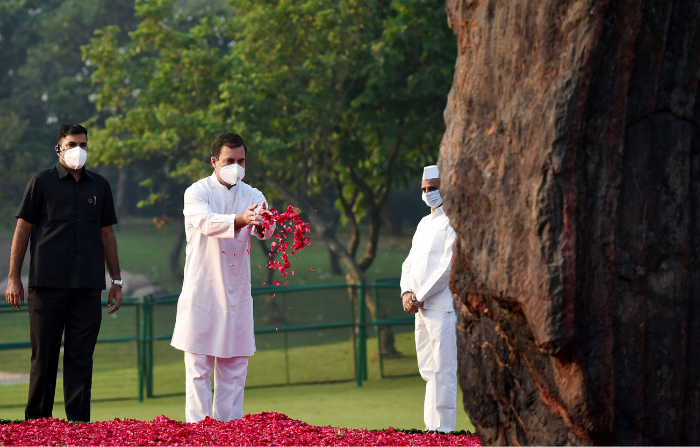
point(436, 348)
point(229, 383)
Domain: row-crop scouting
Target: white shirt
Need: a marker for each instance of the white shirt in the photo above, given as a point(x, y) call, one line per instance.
point(215, 308)
point(426, 271)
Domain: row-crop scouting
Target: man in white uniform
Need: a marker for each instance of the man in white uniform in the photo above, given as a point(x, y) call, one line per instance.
point(214, 324)
point(425, 277)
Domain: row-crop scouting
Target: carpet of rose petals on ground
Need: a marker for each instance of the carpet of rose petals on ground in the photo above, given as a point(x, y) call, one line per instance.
point(253, 429)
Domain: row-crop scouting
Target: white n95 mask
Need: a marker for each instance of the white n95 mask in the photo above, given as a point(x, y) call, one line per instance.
point(433, 198)
point(75, 157)
point(231, 174)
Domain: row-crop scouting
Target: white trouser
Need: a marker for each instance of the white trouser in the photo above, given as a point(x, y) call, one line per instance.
point(229, 383)
point(436, 348)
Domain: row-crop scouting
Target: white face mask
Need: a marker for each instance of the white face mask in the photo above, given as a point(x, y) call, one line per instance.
point(75, 157)
point(231, 174)
point(433, 198)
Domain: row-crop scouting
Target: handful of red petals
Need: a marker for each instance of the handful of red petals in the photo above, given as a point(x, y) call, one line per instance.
point(288, 222)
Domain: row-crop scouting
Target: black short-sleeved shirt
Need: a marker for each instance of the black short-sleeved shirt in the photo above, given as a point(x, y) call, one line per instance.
point(66, 241)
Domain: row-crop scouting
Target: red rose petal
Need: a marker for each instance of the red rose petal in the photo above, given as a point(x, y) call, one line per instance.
point(267, 428)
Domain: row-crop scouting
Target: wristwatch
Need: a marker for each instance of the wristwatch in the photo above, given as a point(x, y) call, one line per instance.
point(118, 282)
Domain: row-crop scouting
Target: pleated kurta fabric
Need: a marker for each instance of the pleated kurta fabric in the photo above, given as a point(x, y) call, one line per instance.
point(215, 308)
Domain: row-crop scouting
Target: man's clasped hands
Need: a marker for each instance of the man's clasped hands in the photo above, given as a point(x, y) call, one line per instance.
point(410, 303)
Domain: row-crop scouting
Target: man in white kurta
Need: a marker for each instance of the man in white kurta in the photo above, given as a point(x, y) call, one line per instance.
point(214, 324)
point(425, 291)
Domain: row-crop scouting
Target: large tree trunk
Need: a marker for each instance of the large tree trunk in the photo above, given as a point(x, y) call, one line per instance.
point(391, 218)
point(120, 204)
point(570, 168)
point(334, 263)
point(174, 256)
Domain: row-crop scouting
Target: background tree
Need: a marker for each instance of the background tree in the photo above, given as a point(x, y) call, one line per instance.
point(343, 101)
point(154, 95)
point(43, 81)
point(340, 101)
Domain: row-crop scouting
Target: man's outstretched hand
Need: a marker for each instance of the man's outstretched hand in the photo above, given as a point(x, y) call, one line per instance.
point(250, 217)
point(258, 216)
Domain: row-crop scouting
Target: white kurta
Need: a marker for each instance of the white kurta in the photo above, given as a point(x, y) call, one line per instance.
point(426, 272)
point(215, 308)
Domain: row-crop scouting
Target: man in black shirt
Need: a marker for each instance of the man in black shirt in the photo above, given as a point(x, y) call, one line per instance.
point(68, 213)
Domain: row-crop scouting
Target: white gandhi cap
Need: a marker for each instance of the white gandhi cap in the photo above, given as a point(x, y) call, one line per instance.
point(430, 172)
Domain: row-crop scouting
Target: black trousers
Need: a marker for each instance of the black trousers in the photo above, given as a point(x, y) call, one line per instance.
point(51, 310)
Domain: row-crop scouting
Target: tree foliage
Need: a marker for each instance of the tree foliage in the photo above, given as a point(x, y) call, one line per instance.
point(338, 101)
point(155, 94)
point(44, 81)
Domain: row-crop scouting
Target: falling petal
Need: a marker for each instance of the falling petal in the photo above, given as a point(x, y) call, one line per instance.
point(264, 284)
point(223, 252)
point(231, 265)
point(312, 269)
point(277, 329)
point(290, 308)
point(273, 295)
point(292, 272)
point(259, 266)
point(275, 282)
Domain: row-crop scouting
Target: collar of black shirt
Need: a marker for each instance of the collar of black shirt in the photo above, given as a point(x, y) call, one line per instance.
point(62, 171)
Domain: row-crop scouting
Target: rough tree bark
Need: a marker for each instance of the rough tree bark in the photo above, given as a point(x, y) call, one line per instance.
point(571, 172)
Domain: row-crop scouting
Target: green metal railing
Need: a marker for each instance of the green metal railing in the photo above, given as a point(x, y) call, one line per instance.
point(379, 322)
point(144, 336)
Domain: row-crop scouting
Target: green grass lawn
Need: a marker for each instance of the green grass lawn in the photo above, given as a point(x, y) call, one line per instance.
point(379, 403)
point(115, 374)
point(315, 355)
